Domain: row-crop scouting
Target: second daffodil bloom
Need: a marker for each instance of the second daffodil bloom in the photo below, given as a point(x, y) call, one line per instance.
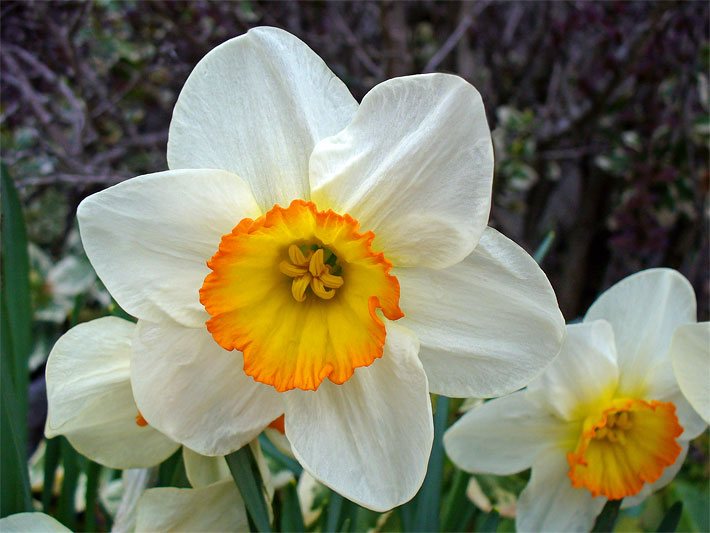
point(605, 421)
point(309, 256)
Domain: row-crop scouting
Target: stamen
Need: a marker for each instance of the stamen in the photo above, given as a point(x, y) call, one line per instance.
point(316, 266)
point(319, 289)
point(312, 270)
point(296, 256)
point(291, 270)
point(299, 286)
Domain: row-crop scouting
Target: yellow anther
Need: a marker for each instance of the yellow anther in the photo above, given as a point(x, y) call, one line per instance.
point(310, 270)
point(296, 256)
point(291, 270)
point(319, 289)
point(299, 286)
point(331, 281)
point(316, 266)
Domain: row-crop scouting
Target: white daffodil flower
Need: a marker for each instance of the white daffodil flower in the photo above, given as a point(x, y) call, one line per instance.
point(90, 401)
point(269, 265)
point(606, 420)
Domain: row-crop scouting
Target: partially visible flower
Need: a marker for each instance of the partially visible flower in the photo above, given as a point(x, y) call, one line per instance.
point(90, 401)
point(215, 507)
point(31, 523)
point(606, 420)
point(300, 252)
point(691, 364)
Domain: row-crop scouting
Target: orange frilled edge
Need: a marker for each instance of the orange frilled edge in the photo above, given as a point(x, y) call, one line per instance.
point(286, 343)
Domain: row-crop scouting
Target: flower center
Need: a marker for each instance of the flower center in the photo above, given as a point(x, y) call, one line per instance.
point(628, 444)
point(311, 269)
point(297, 291)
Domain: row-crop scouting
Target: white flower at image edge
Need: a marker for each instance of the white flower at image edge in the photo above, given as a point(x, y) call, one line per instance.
point(606, 420)
point(311, 257)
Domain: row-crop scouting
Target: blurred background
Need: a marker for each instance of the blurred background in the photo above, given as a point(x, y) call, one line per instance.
point(599, 113)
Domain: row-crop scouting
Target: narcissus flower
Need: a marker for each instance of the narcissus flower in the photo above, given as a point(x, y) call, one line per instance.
point(299, 253)
point(605, 420)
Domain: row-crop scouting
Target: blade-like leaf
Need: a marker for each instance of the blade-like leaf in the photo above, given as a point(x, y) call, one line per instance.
point(291, 517)
point(607, 518)
point(672, 518)
point(245, 471)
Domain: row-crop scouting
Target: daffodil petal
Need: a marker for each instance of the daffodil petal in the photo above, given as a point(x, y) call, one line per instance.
point(257, 105)
point(90, 400)
point(203, 470)
point(644, 309)
point(690, 354)
point(368, 439)
point(583, 375)
point(217, 507)
point(415, 166)
point(149, 238)
point(551, 503)
point(487, 325)
point(195, 392)
point(503, 436)
point(31, 522)
point(668, 475)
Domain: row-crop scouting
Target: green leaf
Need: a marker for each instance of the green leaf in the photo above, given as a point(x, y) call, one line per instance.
point(285, 461)
point(15, 330)
point(15, 483)
point(51, 462)
point(544, 247)
point(490, 523)
point(458, 510)
point(245, 471)
point(66, 513)
point(607, 518)
point(291, 517)
point(93, 470)
point(428, 499)
point(335, 506)
point(672, 518)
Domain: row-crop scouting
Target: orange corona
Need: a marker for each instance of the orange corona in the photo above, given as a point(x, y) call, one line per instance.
point(627, 444)
point(297, 291)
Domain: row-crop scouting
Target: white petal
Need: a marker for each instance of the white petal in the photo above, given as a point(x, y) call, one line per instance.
point(202, 470)
point(487, 325)
point(415, 166)
point(217, 507)
point(370, 438)
point(668, 475)
point(644, 309)
point(149, 238)
point(195, 392)
point(690, 354)
point(31, 523)
point(90, 400)
point(551, 503)
point(583, 375)
point(504, 435)
point(257, 105)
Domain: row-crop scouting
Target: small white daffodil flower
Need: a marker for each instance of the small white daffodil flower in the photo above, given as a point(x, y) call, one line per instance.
point(90, 401)
point(309, 256)
point(606, 420)
point(215, 507)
